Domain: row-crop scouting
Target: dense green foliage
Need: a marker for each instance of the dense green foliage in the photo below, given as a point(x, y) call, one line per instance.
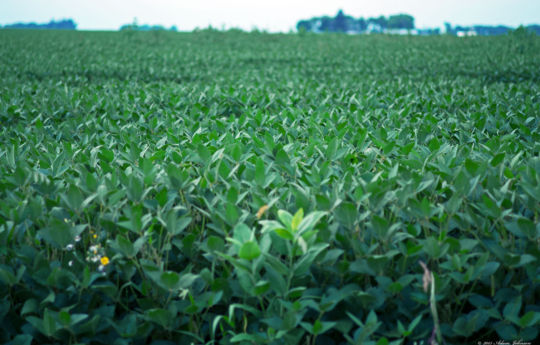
point(135, 169)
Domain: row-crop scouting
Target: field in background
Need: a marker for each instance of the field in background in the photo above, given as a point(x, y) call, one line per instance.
point(225, 187)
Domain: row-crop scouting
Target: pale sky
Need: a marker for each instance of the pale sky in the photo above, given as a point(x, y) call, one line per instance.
point(271, 15)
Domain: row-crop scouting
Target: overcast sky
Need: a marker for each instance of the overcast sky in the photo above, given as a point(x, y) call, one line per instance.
point(271, 15)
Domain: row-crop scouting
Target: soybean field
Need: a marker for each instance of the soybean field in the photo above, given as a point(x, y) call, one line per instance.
point(225, 187)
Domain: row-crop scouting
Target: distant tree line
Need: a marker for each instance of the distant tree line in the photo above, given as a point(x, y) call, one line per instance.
point(399, 23)
point(66, 24)
point(533, 28)
point(345, 23)
point(486, 30)
point(145, 27)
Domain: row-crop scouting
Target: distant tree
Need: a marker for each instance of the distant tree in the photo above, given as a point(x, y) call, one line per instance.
point(401, 21)
point(427, 32)
point(362, 24)
point(381, 22)
point(130, 27)
point(448, 28)
point(304, 25)
point(327, 24)
point(491, 30)
point(340, 22)
point(534, 28)
point(352, 24)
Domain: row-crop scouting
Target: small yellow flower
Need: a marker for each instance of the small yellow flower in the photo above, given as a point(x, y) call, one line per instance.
point(94, 236)
point(104, 261)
